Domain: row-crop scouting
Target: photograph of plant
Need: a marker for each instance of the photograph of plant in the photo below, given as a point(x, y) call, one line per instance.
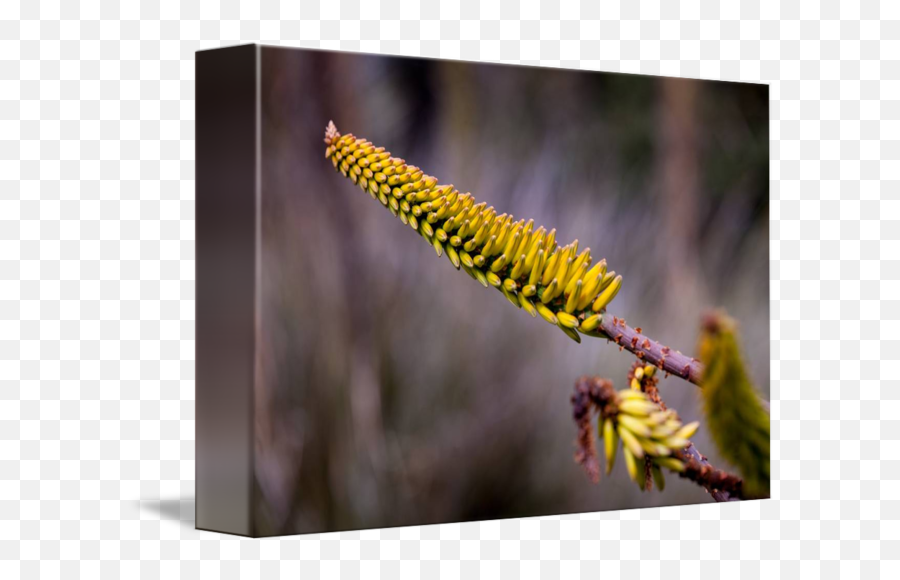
point(537, 275)
point(394, 390)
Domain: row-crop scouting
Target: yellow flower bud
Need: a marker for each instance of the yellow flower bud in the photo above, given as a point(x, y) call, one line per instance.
point(488, 246)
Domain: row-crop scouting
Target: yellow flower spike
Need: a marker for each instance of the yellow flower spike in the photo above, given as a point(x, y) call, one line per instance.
point(663, 431)
point(529, 227)
point(487, 245)
point(659, 479)
point(630, 464)
point(532, 254)
point(670, 463)
point(567, 320)
point(550, 267)
point(488, 248)
point(480, 235)
point(512, 243)
point(511, 297)
point(611, 442)
point(569, 332)
point(537, 265)
point(635, 385)
point(688, 430)
point(573, 298)
point(675, 443)
point(583, 258)
point(607, 295)
point(501, 237)
point(607, 279)
point(575, 274)
point(637, 407)
point(590, 323)
point(630, 442)
point(639, 373)
point(634, 425)
point(555, 291)
point(649, 370)
point(499, 263)
point(521, 247)
point(454, 257)
point(526, 304)
point(442, 211)
point(494, 224)
point(545, 313)
point(561, 273)
point(479, 275)
point(519, 267)
point(641, 481)
point(466, 259)
point(655, 449)
point(548, 292)
point(551, 240)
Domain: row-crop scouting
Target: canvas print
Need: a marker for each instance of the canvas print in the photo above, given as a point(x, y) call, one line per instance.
point(434, 291)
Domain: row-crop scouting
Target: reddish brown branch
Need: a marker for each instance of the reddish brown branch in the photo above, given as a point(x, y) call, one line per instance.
point(587, 393)
point(721, 485)
point(651, 351)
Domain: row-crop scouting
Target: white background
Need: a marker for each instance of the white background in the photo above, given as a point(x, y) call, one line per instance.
point(97, 288)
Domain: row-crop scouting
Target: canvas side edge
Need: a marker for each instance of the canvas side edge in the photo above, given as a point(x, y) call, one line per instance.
point(227, 157)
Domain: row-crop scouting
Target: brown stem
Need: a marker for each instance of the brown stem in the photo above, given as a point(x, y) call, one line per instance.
point(651, 351)
point(721, 485)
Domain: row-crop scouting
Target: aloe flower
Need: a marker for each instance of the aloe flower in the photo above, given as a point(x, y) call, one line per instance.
point(525, 263)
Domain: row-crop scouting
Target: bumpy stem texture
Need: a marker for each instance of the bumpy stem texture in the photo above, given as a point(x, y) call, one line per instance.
point(722, 486)
point(651, 351)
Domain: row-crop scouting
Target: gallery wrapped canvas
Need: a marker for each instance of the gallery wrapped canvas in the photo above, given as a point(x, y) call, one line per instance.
point(433, 291)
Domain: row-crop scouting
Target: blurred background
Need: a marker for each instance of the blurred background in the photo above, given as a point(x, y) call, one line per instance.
point(395, 390)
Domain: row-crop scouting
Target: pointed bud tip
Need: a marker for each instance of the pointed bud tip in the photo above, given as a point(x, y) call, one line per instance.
point(331, 133)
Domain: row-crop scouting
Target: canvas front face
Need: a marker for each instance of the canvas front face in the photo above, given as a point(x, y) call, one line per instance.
point(424, 307)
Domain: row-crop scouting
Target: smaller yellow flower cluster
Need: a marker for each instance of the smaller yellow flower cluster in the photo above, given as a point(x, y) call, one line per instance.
point(521, 261)
point(648, 433)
